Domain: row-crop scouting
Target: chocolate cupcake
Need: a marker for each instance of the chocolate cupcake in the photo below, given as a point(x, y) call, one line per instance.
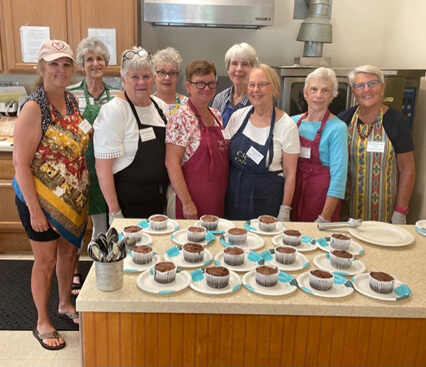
point(233, 256)
point(209, 222)
point(266, 275)
point(193, 252)
point(237, 236)
point(134, 232)
point(340, 241)
point(267, 223)
point(142, 254)
point(196, 234)
point(341, 259)
point(158, 222)
point(285, 255)
point(381, 282)
point(217, 277)
point(321, 280)
point(292, 237)
point(164, 272)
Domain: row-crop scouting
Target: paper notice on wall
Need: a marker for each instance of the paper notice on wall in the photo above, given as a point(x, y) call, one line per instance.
point(31, 40)
point(107, 36)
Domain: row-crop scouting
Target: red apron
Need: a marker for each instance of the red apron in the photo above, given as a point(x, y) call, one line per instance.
point(206, 172)
point(312, 180)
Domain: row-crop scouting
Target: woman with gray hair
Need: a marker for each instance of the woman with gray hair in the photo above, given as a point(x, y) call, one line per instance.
point(129, 142)
point(323, 160)
point(167, 64)
point(239, 59)
point(381, 152)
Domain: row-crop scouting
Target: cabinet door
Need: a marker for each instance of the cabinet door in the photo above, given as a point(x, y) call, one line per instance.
point(119, 15)
point(17, 13)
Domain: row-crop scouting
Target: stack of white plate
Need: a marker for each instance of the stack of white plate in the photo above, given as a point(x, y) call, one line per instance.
point(421, 227)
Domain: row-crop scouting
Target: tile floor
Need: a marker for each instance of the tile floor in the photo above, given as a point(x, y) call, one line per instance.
point(20, 348)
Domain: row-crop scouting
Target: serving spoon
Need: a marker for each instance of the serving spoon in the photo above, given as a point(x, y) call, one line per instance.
point(351, 223)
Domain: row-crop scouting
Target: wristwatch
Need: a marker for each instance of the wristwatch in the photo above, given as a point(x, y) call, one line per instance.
point(402, 210)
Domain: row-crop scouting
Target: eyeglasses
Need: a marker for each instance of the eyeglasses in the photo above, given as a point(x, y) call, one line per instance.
point(143, 54)
point(202, 85)
point(261, 85)
point(172, 74)
point(243, 64)
point(371, 84)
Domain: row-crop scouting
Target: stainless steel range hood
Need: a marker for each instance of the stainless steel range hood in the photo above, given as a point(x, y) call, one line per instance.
point(251, 14)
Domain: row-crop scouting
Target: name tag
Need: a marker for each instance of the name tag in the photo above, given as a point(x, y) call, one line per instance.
point(91, 101)
point(255, 155)
point(147, 134)
point(85, 126)
point(82, 103)
point(376, 146)
point(226, 134)
point(305, 152)
point(59, 191)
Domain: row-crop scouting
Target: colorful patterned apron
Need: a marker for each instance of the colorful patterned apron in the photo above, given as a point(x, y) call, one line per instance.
point(372, 181)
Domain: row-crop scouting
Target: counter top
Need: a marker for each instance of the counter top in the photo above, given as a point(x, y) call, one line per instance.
point(406, 263)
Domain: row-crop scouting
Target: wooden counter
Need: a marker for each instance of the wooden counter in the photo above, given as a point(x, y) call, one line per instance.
point(130, 327)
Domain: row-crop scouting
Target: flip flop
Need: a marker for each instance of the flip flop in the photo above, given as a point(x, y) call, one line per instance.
point(52, 335)
point(77, 286)
point(69, 316)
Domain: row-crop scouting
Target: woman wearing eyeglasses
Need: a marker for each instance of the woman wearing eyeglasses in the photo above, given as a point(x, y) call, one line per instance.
point(239, 59)
point(167, 64)
point(129, 142)
point(264, 148)
point(381, 152)
point(196, 151)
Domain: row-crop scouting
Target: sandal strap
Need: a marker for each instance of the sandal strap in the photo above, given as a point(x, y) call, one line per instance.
point(72, 315)
point(51, 335)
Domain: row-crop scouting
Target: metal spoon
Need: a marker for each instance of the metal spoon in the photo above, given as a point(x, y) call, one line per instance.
point(111, 236)
point(351, 223)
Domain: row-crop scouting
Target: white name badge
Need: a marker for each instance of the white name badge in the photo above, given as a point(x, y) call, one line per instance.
point(226, 134)
point(82, 103)
point(255, 155)
point(59, 191)
point(85, 126)
point(305, 152)
point(376, 146)
point(147, 134)
point(91, 101)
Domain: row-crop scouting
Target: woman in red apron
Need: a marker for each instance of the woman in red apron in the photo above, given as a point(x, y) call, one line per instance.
point(197, 157)
point(323, 160)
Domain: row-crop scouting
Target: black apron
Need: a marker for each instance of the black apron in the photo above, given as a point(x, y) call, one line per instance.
point(141, 187)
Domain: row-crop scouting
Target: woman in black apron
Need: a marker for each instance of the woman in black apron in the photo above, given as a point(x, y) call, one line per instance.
point(129, 143)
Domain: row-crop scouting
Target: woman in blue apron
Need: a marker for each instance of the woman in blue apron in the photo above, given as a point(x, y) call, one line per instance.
point(264, 148)
point(239, 59)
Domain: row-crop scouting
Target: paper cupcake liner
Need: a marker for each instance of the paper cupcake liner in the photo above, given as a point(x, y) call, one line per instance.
point(157, 226)
point(215, 281)
point(266, 280)
point(196, 236)
point(320, 284)
point(141, 258)
point(381, 286)
point(233, 260)
point(267, 227)
point(340, 262)
point(210, 226)
point(292, 240)
point(284, 258)
point(193, 257)
point(339, 244)
point(164, 276)
point(136, 235)
point(238, 239)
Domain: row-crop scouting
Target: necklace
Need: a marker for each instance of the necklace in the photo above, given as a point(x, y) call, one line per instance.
point(364, 130)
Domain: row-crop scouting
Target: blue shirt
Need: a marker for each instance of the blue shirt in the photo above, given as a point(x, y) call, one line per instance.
point(220, 100)
point(333, 150)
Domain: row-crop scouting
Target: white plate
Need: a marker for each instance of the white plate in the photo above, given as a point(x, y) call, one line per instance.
point(400, 292)
point(254, 242)
point(172, 226)
point(304, 246)
point(146, 282)
point(247, 265)
point(181, 238)
point(421, 227)
point(324, 244)
point(202, 287)
point(382, 234)
point(146, 239)
point(341, 287)
point(253, 226)
point(222, 227)
point(180, 262)
point(131, 267)
point(278, 289)
point(301, 262)
point(323, 262)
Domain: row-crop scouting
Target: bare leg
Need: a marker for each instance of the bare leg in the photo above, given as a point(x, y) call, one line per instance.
point(41, 280)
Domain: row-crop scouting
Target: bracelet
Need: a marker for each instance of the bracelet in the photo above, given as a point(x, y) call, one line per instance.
point(402, 210)
point(116, 213)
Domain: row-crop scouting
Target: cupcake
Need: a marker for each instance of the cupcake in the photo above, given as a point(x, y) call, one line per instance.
point(267, 223)
point(217, 277)
point(196, 234)
point(341, 259)
point(266, 275)
point(285, 255)
point(292, 237)
point(237, 236)
point(209, 222)
point(233, 256)
point(321, 280)
point(340, 241)
point(158, 222)
point(193, 252)
point(133, 231)
point(164, 272)
point(142, 254)
point(381, 282)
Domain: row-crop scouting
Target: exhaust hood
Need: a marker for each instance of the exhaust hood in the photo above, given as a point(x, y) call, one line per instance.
point(248, 14)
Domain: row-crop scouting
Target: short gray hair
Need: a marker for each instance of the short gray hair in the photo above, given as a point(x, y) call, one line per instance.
point(91, 44)
point(136, 58)
point(327, 75)
point(168, 55)
point(366, 69)
point(241, 51)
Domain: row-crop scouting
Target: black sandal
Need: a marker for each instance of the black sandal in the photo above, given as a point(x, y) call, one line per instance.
point(77, 286)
